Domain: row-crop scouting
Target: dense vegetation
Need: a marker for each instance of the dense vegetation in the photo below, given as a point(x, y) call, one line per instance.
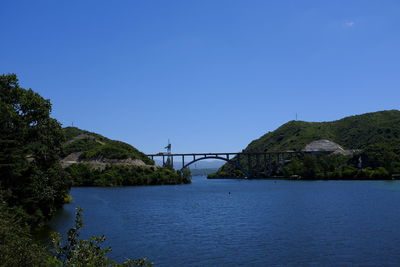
point(94, 146)
point(33, 185)
point(82, 174)
point(355, 132)
point(376, 135)
point(32, 181)
point(343, 167)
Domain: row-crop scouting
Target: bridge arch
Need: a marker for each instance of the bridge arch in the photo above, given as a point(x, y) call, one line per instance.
point(232, 162)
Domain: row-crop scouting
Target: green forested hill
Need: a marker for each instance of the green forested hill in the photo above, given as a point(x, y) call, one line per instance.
point(94, 145)
point(355, 132)
point(94, 160)
point(367, 132)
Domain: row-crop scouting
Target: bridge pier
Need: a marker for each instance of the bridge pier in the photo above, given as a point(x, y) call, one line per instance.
point(270, 165)
point(257, 163)
point(249, 162)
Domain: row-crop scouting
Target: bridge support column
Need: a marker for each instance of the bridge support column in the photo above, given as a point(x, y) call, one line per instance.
point(163, 160)
point(264, 167)
point(249, 162)
point(183, 161)
point(270, 165)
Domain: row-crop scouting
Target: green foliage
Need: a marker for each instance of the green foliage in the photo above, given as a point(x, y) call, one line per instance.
point(83, 175)
point(94, 146)
point(111, 150)
point(186, 175)
point(17, 248)
point(73, 132)
point(80, 252)
point(331, 167)
point(385, 155)
point(84, 144)
point(30, 145)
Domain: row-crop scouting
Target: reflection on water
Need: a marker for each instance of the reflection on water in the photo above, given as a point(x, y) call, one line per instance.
point(245, 222)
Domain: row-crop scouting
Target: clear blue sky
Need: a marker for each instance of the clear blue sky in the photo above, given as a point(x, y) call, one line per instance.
point(211, 75)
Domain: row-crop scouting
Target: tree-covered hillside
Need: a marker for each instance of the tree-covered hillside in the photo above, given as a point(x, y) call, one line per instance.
point(94, 160)
point(364, 132)
point(355, 132)
point(94, 146)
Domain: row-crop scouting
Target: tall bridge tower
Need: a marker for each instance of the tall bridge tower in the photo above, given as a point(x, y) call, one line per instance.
point(168, 147)
point(170, 159)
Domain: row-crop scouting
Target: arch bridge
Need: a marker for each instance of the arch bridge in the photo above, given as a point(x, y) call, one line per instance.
point(255, 161)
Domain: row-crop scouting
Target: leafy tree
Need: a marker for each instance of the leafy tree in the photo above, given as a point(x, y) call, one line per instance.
point(30, 145)
point(186, 175)
point(80, 252)
point(17, 247)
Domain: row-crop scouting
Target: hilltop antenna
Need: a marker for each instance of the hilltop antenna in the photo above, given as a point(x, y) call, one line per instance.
point(296, 116)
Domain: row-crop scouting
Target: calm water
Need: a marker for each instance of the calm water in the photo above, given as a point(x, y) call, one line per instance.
point(251, 223)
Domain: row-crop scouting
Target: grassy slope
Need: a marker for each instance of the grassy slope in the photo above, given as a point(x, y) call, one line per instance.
point(95, 145)
point(355, 132)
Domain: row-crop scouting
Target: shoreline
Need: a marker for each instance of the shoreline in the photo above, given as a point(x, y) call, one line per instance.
point(303, 179)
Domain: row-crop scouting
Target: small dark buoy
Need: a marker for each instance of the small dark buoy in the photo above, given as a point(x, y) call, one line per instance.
point(229, 193)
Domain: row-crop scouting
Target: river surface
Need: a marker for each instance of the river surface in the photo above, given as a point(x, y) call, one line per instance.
point(245, 222)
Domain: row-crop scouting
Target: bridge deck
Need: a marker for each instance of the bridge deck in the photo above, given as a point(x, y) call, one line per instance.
point(224, 153)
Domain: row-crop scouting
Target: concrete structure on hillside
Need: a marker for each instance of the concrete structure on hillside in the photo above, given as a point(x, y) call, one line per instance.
point(325, 146)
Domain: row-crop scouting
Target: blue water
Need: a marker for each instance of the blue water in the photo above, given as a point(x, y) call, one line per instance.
point(246, 222)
